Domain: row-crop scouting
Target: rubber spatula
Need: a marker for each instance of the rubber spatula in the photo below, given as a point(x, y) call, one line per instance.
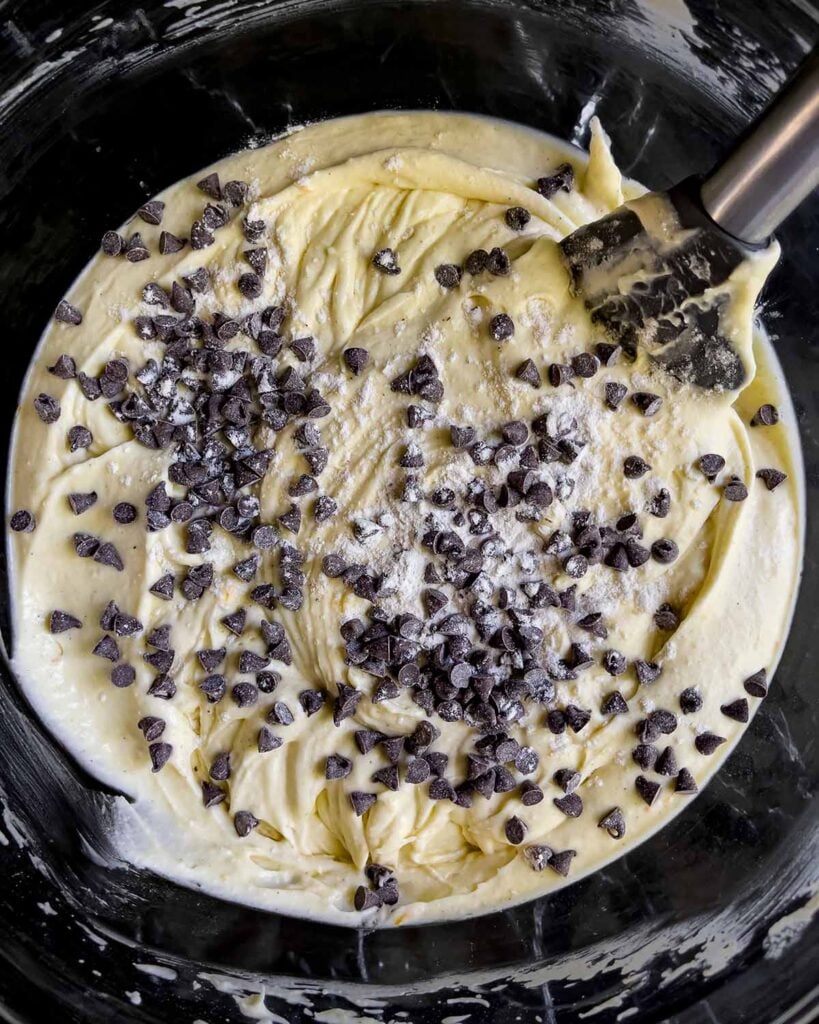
point(650, 272)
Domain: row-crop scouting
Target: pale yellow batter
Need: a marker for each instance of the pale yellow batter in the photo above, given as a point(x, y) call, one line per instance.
point(432, 188)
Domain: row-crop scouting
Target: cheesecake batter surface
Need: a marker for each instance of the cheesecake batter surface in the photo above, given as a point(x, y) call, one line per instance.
point(521, 681)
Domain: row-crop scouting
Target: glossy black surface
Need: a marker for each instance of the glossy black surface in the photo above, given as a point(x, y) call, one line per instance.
point(154, 96)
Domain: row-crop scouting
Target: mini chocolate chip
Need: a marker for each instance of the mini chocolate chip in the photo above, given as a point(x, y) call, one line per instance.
point(60, 622)
point(607, 353)
point(476, 261)
point(614, 823)
point(386, 261)
point(645, 756)
point(387, 777)
point(244, 822)
point(356, 359)
point(135, 249)
point(201, 235)
point(81, 502)
point(210, 186)
point(267, 740)
point(735, 490)
point(265, 536)
point(646, 402)
point(614, 394)
point(365, 899)
point(345, 703)
point(362, 802)
point(635, 467)
point(199, 280)
point(441, 789)
point(107, 648)
point(250, 285)
point(325, 508)
point(152, 212)
point(690, 701)
point(151, 728)
point(664, 551)
point(666, 763)
point(530, 793)
point(647, 671)
point(236, 192)
point(576, 566)
point(337, 767)
point(64, 367)
point(280, 714)
point(501, 327)
point(498, 263)
point(112, 243)
point(417, 771)
point(614, 662)
point(160, 754)
point(584, 365)
point(577, 718)
point(772, 478)
point(291, 519)
point(124, 512)
point(312, 701)
point(614, 703)
point(517, 217)
point(711, 466)
point(461, 437)
point(126, 625)
point(23, 521)
point(170, 243)
point(685, 782)
point(515, 830)
point(736, 709)
point(648, 790)
point(107, 554)
point(766, 416)
point(660, 504)
point(526, 760)
point(666, 618)
point(47, 408)
point(707, 742)
point(65, 313)
point(214, 688)
point(559, 374)
point(448, 275)
point(211, 794)
point(570, 804)
point(163, 587)
point(163, 687)
point(593, 623)
point(560, 180)
point(244, 695)
point(757, 684)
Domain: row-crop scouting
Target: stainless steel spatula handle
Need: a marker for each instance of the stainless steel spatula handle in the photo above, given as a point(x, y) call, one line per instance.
point(774, 167)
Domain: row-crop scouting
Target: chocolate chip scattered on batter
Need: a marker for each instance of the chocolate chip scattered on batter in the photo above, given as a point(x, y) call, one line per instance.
point(68, 314)
point(735, 490)
point(517, 217)
point(711, 465)
point(501, 327)
point(767, 415)
point(772, 478)
point(47, 408)
point(757, 684)
point(614, 822)
point(560, 180)
point(707, 742)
